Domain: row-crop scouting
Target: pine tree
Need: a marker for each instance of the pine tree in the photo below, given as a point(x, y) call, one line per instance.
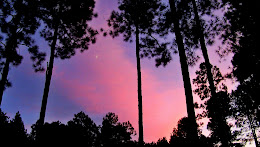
point(135, 19)
point(185, 71)
point(245, 109)
point(66, 29)
point(83, 130)
point(240, 38)
point(18, 22)
point(171, 21)
point(114, 133)
point(201, 36)
point(216, 109)
point(19, 134)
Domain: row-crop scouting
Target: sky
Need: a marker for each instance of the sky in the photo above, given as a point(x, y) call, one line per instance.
point(104, 79)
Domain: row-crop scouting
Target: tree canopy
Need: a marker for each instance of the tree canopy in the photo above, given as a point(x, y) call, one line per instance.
point(18, 22)
point(66, 29)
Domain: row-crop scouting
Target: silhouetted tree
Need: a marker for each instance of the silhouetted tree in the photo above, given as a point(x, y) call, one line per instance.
point(152, 144)
point(135, 19)
point(5, 134)
point(51, 134)
point(12, 132)
point(19, 134)
point(180, 135)
point(114, 133)
point(217, 108)
point(66, 29)
point(208, 4)
point(162, 142)
point(175, 18)
point(189, 32)
point(18, 21)
point(244, 110)
point(240, 38)
point(218, 112)
point(201, 81)
point(83, 131)
point(170, 21)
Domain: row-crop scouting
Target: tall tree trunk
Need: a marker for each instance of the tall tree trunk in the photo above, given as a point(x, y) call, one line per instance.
point(4, 78)
point(204, 50)
point(252, 128)
point(185, 72)
point(255, 137)
point(48, 78)
point(11, 45)
point(139, 79)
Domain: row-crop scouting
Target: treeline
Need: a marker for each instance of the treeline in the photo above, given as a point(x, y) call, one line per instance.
point(159, 30)
point(82, 131)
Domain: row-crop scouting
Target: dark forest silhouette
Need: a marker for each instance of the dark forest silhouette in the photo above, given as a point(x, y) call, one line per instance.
point(191, 25)
point(82, 130)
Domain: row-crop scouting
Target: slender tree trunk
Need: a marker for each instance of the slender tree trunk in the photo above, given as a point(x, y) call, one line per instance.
point(48, 78)
point(4, 78)
point(255, 137)
point(252, 129)
point(204, 50)
point(11, 44)
point(139, 79)
point(185, 72)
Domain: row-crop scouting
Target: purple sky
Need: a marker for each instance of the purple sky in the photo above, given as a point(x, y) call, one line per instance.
point(104, 79)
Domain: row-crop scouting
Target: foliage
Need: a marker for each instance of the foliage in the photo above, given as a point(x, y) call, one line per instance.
point(144, 15)
point(83, 130)
point(183, 128)
point(187, 24)
point(136, 19)
point(245, 110)
point(18, 22)
point(179, 136)
point(66, 29)
point(239, 37)
point(162, 142)
point(217, 109)
point(12, 132)
point(114, 133)
point(18, 129)
point(54, 133)
point(71, 20)
point(4, 127)
point(201, 81)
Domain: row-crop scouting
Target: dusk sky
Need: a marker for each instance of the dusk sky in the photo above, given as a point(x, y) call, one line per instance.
point(104, 79)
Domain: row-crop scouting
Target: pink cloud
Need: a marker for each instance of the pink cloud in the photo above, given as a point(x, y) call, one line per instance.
point(104, 79)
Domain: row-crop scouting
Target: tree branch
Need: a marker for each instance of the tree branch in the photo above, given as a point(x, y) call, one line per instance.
point(157, 42)
point(2, 43)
